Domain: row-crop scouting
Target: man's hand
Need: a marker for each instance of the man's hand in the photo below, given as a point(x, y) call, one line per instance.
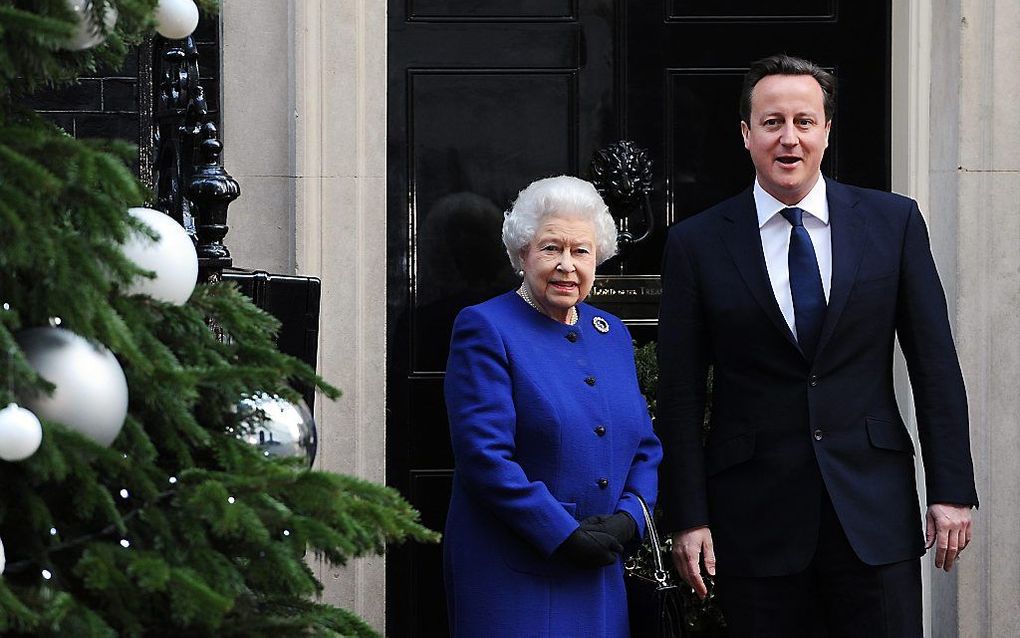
point(947, 527)
point(688, 547)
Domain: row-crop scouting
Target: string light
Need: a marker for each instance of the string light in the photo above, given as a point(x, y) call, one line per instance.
point(172, 480)
point(124, 493)
point(286, 532)
point(108, 531)
point(230, 500)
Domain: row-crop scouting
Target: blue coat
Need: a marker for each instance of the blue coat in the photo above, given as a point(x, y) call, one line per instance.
point(548, 427)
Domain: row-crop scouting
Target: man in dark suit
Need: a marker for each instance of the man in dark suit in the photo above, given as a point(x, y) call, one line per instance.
point(803, 495)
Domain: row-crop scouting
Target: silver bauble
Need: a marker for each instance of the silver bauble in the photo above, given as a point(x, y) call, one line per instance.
point(176, 19)
point(172, 258)
point(88, 34)
point(20, 433)
point(278, 427)
point(91, 393)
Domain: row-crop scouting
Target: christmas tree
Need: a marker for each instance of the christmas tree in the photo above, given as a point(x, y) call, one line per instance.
point(165, 521)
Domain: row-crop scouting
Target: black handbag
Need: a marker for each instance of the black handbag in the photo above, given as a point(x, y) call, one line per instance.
point(654, 589)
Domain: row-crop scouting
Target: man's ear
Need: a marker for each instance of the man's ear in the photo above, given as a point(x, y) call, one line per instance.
point(745, 132)
point(828, 129)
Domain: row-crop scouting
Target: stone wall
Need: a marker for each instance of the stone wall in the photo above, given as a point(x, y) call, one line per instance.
point(975, 176)
point(304, 99)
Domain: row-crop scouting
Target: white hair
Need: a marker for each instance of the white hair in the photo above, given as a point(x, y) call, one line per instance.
point(563, 196)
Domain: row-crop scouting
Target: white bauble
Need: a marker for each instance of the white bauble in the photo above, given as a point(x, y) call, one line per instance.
point(172, 257)
point(91, 393)
point(20, 433)
point(278, 427)
point(88, 33)
point(176, 19)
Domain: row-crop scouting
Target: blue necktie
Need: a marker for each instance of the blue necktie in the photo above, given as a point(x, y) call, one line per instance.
point(805, 284)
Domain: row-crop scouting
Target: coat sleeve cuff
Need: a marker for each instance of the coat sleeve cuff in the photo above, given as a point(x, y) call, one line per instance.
point(632, 508)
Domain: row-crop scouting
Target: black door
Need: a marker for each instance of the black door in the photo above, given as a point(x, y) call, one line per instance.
point(488, 95)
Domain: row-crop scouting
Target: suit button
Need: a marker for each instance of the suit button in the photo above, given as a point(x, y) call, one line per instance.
point(572, 337)
point(818, 435)
point(813, 381)
point(589, 380)
point(603, 483)
point(600, 430)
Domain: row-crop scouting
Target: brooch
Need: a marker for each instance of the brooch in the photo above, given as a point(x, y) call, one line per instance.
point(600, 324)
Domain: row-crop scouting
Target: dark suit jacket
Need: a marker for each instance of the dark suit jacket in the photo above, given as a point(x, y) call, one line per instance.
point(783, 428)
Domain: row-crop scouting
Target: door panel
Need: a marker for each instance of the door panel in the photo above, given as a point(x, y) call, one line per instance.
point(466, 10)
point(754, 10)
point(458, 179)
point(484, 97)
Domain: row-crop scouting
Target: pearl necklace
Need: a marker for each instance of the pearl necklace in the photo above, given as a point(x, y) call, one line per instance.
point(525, 294)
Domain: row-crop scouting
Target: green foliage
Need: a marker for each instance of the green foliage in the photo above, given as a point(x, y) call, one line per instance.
point(647, 373)
point(212, 537)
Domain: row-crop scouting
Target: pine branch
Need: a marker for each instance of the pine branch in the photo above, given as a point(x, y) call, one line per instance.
point(214, 534)
point(107, 532)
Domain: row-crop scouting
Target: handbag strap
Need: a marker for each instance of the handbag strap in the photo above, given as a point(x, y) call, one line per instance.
point(653, 538)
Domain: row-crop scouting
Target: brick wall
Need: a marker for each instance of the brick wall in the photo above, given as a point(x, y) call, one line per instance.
point(103, 105)
point(107, 104)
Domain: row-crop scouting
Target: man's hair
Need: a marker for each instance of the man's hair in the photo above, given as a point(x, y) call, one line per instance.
point(782, 64)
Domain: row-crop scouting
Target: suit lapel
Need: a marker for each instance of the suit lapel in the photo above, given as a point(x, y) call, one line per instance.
point(742, 238)
point(847, 229)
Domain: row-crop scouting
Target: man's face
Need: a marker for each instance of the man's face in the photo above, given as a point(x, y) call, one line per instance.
point(787, 135)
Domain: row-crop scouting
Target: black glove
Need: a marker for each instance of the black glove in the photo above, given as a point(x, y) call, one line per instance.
point(620, 526)
point(590, 548)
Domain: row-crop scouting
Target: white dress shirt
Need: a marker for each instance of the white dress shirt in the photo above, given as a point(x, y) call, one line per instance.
point(775, 241)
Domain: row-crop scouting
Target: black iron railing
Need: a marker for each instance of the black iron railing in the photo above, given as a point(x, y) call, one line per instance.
point(190, 183)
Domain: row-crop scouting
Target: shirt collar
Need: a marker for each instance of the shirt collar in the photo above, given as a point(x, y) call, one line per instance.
point(814, 203)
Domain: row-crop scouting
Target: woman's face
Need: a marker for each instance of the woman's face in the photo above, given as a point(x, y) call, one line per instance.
point(559, 264)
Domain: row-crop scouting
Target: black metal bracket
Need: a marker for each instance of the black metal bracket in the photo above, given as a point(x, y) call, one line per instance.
point(190, 182)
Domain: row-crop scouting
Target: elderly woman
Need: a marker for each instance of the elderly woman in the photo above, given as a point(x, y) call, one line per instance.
point(551, 436)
